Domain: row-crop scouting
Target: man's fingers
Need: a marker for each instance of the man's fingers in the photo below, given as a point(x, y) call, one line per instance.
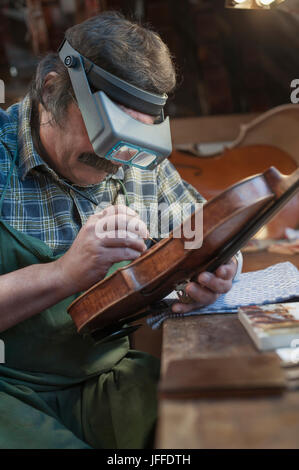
point(208, 288)
point(201, 294)
point(121, 254)
point(227, 271)
point(214, 283)
point(123, 222)
point(123, 239)
point(120, 217)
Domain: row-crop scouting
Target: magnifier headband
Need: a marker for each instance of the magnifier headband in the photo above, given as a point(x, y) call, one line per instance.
point(123, 92)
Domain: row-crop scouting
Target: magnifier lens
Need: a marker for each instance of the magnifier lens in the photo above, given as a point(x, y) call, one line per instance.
point(133, 156)
point(143, 159)
point(124, 153)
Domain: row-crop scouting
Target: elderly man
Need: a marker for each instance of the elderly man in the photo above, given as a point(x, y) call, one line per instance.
point(59, 389)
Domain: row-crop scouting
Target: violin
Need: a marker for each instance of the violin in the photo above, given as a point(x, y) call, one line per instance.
point(230, 219)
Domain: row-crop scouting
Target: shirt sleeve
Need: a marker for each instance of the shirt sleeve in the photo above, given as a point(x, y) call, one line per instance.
point(171, 187)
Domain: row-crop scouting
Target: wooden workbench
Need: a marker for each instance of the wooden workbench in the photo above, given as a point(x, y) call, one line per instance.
point(268, 422)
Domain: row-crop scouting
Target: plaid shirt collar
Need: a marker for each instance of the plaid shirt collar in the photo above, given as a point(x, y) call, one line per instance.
point(29, 158)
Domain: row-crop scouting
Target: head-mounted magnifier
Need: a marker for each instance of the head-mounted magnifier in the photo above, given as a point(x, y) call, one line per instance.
point(113, 133)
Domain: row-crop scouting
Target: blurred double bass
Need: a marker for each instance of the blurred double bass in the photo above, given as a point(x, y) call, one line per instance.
point(272, 139)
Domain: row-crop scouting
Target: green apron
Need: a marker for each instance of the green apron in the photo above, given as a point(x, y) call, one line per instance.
point(59, 390)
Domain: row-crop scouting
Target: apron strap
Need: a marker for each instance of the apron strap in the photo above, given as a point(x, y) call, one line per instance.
point(13, 161)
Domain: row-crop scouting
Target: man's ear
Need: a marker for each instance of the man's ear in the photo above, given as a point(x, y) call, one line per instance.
point(48, 82)
point(50, 77)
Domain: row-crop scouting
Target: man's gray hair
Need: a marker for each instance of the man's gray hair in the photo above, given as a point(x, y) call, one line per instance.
point(127, 49)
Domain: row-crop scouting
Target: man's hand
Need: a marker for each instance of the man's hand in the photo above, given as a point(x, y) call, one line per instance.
point(208, 287)
point(113, 235)
point(94, 250)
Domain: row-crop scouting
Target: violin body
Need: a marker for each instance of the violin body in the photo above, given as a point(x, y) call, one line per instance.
point(229, 220)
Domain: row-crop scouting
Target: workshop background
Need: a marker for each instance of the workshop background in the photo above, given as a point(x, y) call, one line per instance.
point(229, 60)
point(235, 59)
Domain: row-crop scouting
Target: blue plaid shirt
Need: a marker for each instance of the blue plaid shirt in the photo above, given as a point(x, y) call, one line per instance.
point(39, 203)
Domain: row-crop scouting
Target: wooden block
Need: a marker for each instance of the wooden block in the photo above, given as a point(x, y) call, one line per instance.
point(223, 377)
